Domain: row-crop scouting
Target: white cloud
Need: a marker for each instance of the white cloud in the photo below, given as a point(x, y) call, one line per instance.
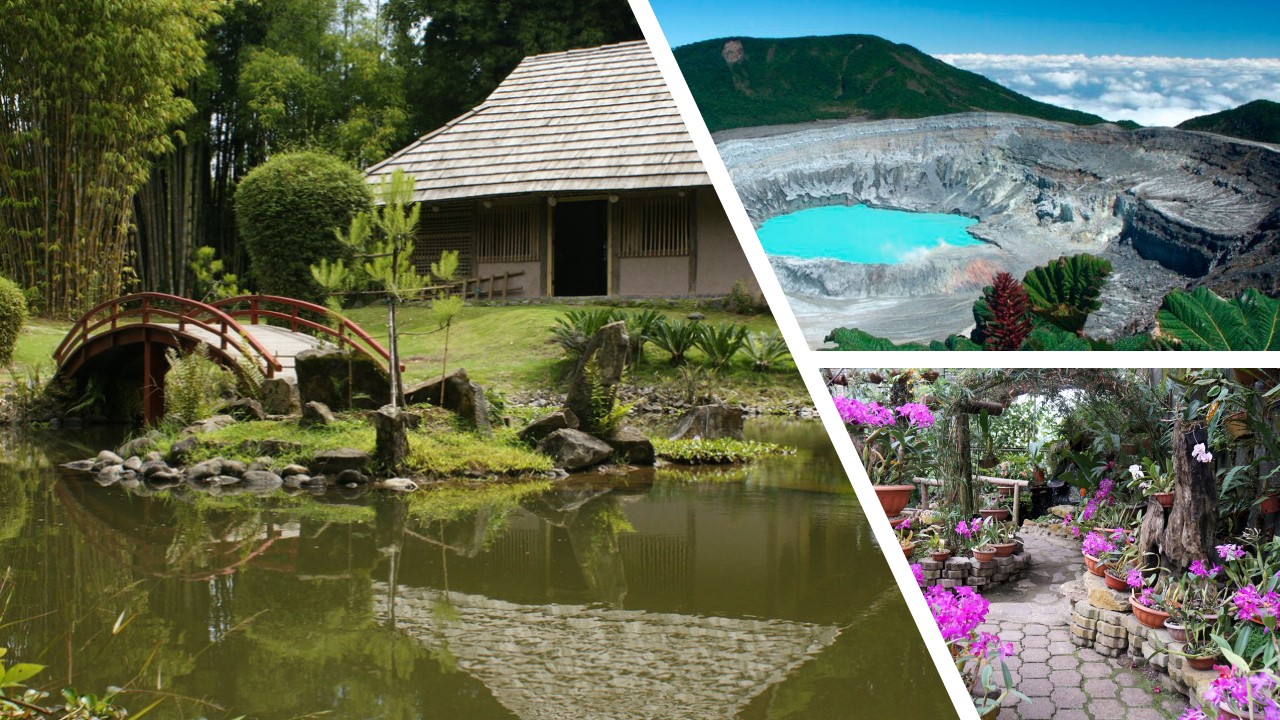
point(1149, 90)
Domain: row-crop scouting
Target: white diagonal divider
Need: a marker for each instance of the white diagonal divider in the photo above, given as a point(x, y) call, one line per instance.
point(807, 361)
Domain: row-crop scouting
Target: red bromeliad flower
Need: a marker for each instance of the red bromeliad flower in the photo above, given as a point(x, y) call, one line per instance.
point(1010, 321)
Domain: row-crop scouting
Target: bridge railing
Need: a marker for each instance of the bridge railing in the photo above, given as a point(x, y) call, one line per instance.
point(150, 308)
point(258, 308)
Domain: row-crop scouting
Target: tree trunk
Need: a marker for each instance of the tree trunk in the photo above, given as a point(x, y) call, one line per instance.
point(958, 465)
point(1189, 533)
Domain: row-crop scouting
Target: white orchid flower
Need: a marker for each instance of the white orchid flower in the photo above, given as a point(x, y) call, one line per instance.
point(1136, 472)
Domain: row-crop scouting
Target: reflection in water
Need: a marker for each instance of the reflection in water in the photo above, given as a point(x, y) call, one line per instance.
point(754, 593)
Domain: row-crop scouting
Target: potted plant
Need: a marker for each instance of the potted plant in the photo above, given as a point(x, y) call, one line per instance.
point(1148, 603)
point(938, 547)
point(889, 441)
point(995, 506)
point(1153, 481)
point(906, 537)
point(1122, 562)
point(986, 533)
point(1036, 459)
point(1005, 540)
point(1095, 545)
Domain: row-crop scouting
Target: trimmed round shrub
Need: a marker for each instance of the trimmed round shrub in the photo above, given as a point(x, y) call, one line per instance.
point(13, 315)
point(287, 210)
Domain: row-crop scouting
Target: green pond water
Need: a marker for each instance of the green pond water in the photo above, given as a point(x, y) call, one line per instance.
point(754, 592)
point(862, 234)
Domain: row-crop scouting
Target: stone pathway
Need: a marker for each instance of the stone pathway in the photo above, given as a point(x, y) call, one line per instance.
point(1066, 682)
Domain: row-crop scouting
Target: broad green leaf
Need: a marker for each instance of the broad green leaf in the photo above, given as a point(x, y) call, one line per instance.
point(19, 673)
point(1200, 320)
point(1262, 314)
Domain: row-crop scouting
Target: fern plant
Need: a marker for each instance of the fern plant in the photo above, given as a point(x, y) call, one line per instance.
point(194, 384)
point(720, 342)
point(676, 337)
point(1068, 289)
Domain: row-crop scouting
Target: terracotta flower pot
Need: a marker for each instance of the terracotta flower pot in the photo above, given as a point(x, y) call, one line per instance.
point(1165, 499)
point(1004, 490)
point(1092, 565)
point(1178, 633)
point(984, 554)
point(940, 556)
point(1235, 425)
point(997, 513)
point(1271, 504)
point(893, 498)
point(1004, 549)
point(1150, 617)
point(1203, 663)
point(1038, 476)
point(1115, 583)
point(907, 548)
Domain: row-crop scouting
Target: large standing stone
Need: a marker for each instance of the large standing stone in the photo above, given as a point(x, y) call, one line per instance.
point(631, 446)
point(460, 395)
point(279, 396)
point(333, 376)
point(709, 422)
point(538, 429)
point(391, 444)
point(598, 373)
point(243, 409)
point(574, 449)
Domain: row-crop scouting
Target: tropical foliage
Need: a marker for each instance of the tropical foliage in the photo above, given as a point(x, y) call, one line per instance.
point(1201, 320)
point(1067, 290)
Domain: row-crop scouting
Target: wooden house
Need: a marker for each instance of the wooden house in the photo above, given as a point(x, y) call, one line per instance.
point(575, 177)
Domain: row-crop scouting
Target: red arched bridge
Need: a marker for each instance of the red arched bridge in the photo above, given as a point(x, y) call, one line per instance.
point(131, 333)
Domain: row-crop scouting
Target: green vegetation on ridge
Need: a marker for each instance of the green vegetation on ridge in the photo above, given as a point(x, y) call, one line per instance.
point(748, 82)
point(1258, 121)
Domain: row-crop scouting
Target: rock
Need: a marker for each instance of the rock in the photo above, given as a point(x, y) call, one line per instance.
point(396, 484)
point(243, 409)
point(631, 446)
point(279, 396)
point(574, 449)
point(695, 316)
point(208, 425)
point(332, 462)
point(460, 395)
point(133, 464)
point(538, 429)
point(106, 457)
point(391, 444)
point(709, 422)
point(1062, 511)
point(597, 374)
point(234, 467)
point(293, 469)
point(109, 475)
point(164, 479)
point(270, 447)
point(221, 480)
point(332, 375)
point(206, 469)
point(79, 465)
point(153, 456)
point(182, 449)
point(140, 445)
point(1103, 597)
point(261, 480)
point(315, 413)
point(151, 467)
point(350, 478)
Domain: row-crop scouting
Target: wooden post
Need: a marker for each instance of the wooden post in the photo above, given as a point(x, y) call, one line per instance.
point(506, 282)
point(153, 371)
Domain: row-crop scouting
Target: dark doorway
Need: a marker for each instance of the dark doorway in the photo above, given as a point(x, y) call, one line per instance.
point(581, 231)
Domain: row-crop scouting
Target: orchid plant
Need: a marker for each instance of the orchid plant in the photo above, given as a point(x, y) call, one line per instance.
point(1151, 478)
point(890, 437)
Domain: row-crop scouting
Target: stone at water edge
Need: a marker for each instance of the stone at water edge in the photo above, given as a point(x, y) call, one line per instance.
point(279, 396)
point(542, 427)
point(79, 465)
point(208, 425)
point(609, 348)
point(134, 463)
point(397, 485)
point(140, 445)
point(334, 461)
point(463, 397)
point(182, 449)
point(391, 444)
point(315, 413)
point(351, 478)
point(106, 457)
point(234, 467)
point(574, 449)
point(709, 422)
point(206, 469)
point(261, 480)
point(632, 446)
point(293, 469)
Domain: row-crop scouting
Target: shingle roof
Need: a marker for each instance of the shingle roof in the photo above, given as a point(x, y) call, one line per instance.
point(597, 119)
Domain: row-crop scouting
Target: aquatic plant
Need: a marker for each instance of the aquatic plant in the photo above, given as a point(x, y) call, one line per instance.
point(719, 451)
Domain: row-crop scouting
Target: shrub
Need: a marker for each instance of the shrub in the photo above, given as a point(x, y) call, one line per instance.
point(13, 315)
point(721, 342)
point(741, 301)
point(677, 337)
point(764, 349)
point(287, 211)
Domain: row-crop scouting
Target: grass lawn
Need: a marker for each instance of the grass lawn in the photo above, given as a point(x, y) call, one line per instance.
point(509, 349)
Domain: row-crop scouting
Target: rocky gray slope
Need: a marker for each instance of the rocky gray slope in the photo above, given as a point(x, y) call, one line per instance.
point(1171, 207)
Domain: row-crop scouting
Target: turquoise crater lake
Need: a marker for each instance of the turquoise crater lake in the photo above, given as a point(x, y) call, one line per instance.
point(862, 234)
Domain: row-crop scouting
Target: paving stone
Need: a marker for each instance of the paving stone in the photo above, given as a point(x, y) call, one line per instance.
point(1040, 687)
point(1035, 670)
point(1101, 687)
point(1036, 629)
point(1064, 662)
point(1067, 697)
point(1035, 642)
point(1136, 697)
point(1039, 708)
point(1063, 678)
point(1035, 655)
point(1106, 709)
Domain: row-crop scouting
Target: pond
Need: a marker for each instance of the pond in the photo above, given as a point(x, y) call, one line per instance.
point(751, 592)
point(862, 234)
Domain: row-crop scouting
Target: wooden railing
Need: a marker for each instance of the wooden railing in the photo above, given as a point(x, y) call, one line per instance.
point(259, 308)
point(488, 287)
point(167, 311)
point(925, 483)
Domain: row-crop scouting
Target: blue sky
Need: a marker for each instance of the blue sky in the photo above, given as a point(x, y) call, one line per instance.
point(1156, 63)
point(1177, 28)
